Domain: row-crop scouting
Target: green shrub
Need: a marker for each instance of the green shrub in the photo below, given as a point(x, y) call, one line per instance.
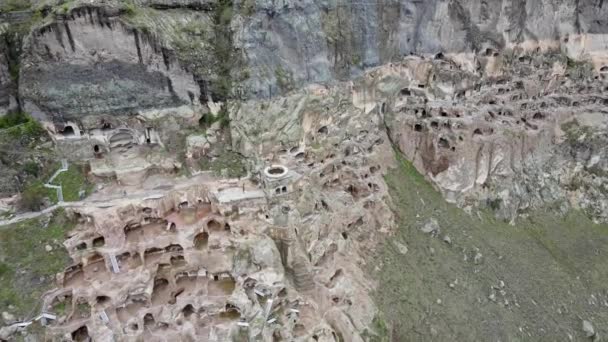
point(579, 69)
point(224, 121)
point(130, 9)
point(227, 164)
point(32, 128)
point(13, 119)
point(33, 196)
point(31, 168)
point(378, 331)
point(207, 120)
point(222, 117)
point(20, 125)
point(284, 79)
point(13, 70)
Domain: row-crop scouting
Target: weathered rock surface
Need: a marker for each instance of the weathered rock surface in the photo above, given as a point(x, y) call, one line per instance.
point(109, 59)
point(90, 62)
point(6, 86)
point(524, 132)
point(226, 260)
point(499, 104)
point(358, 35)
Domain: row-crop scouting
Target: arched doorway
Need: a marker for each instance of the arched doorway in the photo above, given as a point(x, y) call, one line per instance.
point(201, 240)
point(68, 131)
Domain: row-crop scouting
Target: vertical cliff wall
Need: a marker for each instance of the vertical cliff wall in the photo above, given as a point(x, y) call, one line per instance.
point(91, 62)
point(319, 41)
point(5, 80)
point(89, 57)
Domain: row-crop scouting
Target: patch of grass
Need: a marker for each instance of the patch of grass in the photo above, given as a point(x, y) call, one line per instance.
point(59, 308)
point(31, 128)
point(207, 120)
point(129, 8)
point(83, 310)
point(13, 70)
point(27, 270)
point(378, 332)
point(63, 7)
point(13, 119)
point(14, 5)
point(228, 164)
point(20, 126)
point(579, 69)
point(72, 182)
point(223, 117)
point(5, 270)
point(551, 265)
point(574, 131)
point(23, 154)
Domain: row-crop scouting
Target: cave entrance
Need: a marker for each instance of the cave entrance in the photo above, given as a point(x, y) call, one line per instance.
point(99, 241)
point(201, 240)
point(81, 334)
point(149, 320)
point(68, 131)
point(102, 300)
point(214, 225)
point(188, 310)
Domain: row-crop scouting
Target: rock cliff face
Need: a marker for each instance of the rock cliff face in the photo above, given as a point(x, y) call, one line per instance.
point(500, 105)
point(523, 133)
point(91, 63)
point(280, 46)
point(349, 36)
point(7, 87)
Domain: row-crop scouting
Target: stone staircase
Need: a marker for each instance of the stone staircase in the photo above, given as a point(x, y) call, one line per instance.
point(58, 188)
point(289, 247)
point(302, 276)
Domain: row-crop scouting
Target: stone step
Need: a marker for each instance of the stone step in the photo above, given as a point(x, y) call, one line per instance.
point(302, 277)
point(304, 281)
point(305, 286)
